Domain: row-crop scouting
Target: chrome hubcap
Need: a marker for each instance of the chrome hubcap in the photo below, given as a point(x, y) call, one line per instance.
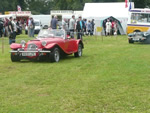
point(80, 51)
point(56, 56)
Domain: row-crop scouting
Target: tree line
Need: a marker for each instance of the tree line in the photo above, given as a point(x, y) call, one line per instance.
point(44, 6)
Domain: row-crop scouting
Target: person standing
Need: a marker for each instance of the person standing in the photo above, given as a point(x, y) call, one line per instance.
point(1, 28)
point(29, 29)
point(54, 22)
point(115, 28)
point(6, 27)
point(14, 23)
point(85, 26)
point(72, 26)
point(89, 27)
point(112, 27)
point(64, 24)
point(104, 27)
point(11, 30)
point(79, 28)
point(93, 24)
point(108, 27)
point(32, 26)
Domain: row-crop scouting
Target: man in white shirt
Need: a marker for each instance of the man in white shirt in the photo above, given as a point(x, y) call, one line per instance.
point(64, 24)
point(108, 27)
point(72, 26)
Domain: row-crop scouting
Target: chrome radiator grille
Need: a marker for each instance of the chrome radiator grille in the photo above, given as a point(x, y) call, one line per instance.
point(32, 47)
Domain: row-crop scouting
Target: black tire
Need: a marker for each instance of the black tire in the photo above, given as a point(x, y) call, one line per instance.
point(131, 41)
point(15, 58)
point(26, 32)
point(79, 52)
point(55, 55)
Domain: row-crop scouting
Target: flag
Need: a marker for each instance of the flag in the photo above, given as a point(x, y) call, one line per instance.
point(126, 3)
point(130, 7)
point(19, 8)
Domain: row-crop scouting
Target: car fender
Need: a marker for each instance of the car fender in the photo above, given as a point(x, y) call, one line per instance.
point(15, 46)
point(49, 46)
point(80, 42)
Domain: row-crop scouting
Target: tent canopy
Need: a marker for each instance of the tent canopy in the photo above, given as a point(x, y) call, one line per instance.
point(119, 26)
point(99, 11)
point(115, 9)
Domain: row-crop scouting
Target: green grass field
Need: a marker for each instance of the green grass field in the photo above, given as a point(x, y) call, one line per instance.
point(112, 76)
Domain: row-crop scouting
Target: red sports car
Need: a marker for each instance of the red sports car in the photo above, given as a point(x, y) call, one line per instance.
point(49, 44)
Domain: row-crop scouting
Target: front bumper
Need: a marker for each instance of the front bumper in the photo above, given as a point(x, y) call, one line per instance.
point(137, 39)
point(36, 31)
point(22, 53)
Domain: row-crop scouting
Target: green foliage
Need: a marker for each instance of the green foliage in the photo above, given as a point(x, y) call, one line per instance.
point(44, 6)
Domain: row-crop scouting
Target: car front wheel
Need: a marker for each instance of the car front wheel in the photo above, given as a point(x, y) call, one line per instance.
point(55, 55)
point(15, 58)
point(131, 41)
point(79, 52)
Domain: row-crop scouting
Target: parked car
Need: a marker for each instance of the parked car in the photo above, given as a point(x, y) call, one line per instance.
point(38, 27)
point(139, 37)
point(45, 27)
point(49, 44)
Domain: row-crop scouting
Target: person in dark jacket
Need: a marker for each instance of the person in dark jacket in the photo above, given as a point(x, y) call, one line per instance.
point(104, 27)
point(79, 28)
point(11, 31)
point(1, 28)
point(93, 24)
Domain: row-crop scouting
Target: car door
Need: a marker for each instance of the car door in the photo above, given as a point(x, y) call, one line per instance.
point(71, 45)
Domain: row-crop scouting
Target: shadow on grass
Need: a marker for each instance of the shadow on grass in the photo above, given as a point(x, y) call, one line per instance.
point(141, 43)
point(64, 58)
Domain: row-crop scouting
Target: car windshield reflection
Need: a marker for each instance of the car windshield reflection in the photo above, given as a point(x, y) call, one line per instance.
point(46, 33)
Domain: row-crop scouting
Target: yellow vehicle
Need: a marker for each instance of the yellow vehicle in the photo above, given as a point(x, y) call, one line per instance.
point(138, 21)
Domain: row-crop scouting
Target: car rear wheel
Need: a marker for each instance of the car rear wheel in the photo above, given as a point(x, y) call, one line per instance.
point(15, 58)
point(79, 52)
point(26, 32)
point(55, 55)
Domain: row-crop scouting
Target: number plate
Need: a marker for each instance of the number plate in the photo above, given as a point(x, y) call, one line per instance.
point(28, 54)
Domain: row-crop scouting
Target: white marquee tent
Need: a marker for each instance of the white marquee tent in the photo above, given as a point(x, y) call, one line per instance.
point(99, 11)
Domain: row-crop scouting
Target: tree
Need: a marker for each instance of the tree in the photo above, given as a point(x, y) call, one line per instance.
point(44, 6)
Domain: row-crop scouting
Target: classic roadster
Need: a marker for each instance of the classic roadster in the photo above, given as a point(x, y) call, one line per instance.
point(139, 37)
point(49, 45)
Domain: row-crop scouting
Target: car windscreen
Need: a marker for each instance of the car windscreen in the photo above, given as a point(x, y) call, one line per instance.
point(37, 23)
point(46, 33)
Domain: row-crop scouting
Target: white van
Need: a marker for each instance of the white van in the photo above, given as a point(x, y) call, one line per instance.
point(38, 27)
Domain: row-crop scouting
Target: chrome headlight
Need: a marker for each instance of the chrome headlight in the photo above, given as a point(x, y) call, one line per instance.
point(44, 43)
point(23, 43)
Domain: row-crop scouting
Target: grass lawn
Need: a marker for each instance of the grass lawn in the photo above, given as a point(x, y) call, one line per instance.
point(112, 76)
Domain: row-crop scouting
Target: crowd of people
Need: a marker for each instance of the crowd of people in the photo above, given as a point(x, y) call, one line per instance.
point(110, 27)
point(10, 28)
point(80, 26)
